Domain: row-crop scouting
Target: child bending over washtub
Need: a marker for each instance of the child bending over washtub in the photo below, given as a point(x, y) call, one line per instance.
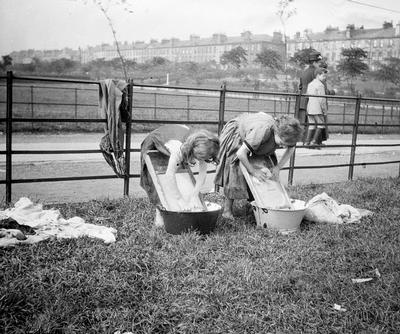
point(258, 135)
point(184, 146)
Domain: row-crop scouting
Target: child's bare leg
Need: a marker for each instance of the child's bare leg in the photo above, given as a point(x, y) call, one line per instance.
point(228, 206)
point(158, 220)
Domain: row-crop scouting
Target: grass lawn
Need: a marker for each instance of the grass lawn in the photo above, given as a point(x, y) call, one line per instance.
point(240, 279)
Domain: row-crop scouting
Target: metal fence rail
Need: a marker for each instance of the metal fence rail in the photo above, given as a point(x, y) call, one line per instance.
point(289, 105)
point(31, 99)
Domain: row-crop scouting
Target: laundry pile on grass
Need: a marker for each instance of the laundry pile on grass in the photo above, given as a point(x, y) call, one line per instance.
point(28, 223)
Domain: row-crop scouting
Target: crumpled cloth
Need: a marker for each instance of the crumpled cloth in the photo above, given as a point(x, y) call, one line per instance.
point(113, 103)
point(324, 209)
point(50, 224)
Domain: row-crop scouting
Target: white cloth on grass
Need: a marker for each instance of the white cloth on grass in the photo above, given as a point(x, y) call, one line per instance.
point(50, 224)
point(324, 209)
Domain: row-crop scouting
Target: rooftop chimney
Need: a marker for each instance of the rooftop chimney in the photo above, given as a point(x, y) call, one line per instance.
point(349, 30)
point(246, 35)
point(387, 25)
point(194, 39)
point(219, 38)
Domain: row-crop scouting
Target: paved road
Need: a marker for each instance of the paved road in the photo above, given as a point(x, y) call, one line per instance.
point(55, 165)
point(91, 141)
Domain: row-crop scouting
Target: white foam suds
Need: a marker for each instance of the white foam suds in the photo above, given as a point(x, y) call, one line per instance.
point(296, 205)
point(212, 206)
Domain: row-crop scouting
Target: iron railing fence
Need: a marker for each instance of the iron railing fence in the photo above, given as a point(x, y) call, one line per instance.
point(223, 104)
point(39, 100)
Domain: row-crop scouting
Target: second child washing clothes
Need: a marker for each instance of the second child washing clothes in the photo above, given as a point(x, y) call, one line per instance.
point(257, 135)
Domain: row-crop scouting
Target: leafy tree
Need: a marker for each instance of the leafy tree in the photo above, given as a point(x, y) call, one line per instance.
point(61, 65)
point(236, 57)
point(35, 66)
point(191, 67)
point(389, 71)
point(269, 59)
point(157, 61)
point(352, 65)
point(6, 61)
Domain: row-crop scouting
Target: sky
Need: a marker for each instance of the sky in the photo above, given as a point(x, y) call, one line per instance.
point(55, 24)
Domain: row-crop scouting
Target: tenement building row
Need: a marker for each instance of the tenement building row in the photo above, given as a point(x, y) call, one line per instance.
point(196, 49)
point(379, 43)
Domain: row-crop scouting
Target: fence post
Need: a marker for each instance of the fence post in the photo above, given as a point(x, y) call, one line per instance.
point(188, 106)
point(221, 114)
point(32, 110)
point(155, 106)
point(293, 157)
point(354, 137)
point(128, 129)
point(366, 118)
point(383, 117)
point(344, 116)
point(76, 103)
point(9, 135)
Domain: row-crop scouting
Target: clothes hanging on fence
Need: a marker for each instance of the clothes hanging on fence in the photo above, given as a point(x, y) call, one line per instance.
point(26, 217)
point(114, 108)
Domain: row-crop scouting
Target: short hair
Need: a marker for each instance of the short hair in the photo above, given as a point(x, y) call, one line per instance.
point(201, 145)
point(289, 129)
point(320, 70)
point(323, 64)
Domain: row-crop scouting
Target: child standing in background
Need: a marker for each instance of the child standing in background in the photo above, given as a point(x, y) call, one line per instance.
point(317, 107)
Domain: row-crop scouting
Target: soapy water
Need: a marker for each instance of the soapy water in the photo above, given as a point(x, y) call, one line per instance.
point(296, 205)
point(264, 170)
point(210, 206)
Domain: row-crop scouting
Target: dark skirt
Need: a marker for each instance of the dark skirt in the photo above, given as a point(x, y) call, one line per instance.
point(228, 174)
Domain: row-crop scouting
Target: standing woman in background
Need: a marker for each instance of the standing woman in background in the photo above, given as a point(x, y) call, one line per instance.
point(306, 77)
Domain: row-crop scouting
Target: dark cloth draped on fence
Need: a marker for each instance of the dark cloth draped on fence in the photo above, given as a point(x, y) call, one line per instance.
point(114, 108)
